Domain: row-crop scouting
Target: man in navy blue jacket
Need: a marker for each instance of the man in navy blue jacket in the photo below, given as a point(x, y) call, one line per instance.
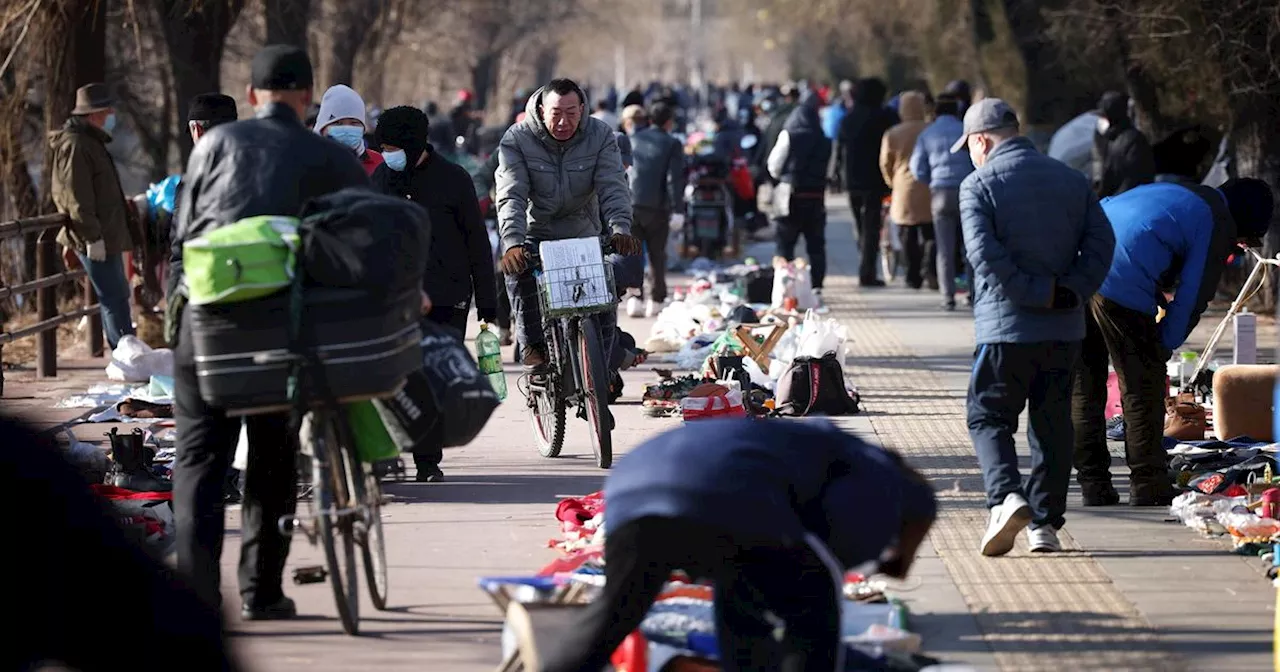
point(1170, 238)
point(771, 513)
point(1039, 245)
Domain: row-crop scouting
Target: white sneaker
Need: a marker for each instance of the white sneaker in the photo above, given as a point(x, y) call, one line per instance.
point(1007, 520)
point(1043, 540)
point(652, 308)
point(635, 307)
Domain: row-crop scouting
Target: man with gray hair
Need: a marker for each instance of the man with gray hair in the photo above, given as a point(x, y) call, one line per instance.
point(1040, 246)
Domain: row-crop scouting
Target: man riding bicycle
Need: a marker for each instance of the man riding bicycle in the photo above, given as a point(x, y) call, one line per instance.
point(559, 174)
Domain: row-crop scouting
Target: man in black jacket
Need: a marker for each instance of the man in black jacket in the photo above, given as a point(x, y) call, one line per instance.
point(461, 264)
point(1122, 155)
point(858, 163)
point(799, 163)
point(270, 165)
point(790, 98)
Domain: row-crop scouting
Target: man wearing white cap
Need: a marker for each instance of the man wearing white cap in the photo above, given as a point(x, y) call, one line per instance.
point(342, 118)
point(1040, 246)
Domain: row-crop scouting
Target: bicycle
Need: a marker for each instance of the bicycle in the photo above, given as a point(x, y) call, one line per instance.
point(577, 372)
point(344, 509)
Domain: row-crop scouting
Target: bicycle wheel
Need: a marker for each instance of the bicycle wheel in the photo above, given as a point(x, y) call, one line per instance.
point(595, 390)
point(547, 412)
point(372, 542)
point(332, 496)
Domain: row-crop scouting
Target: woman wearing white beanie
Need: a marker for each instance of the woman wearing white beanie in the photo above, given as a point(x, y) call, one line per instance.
point(341, 118)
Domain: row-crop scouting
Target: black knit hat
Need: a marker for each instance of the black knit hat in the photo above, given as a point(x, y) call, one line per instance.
point(1251, 204)
point(281, 67)
point(212, 109)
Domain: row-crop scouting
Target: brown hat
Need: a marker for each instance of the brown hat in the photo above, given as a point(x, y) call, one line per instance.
point(92, 98)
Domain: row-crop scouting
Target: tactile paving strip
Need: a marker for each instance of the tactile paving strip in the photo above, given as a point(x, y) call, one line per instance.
point(1052, 612)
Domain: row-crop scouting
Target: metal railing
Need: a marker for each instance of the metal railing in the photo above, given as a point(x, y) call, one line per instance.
point(49, 276)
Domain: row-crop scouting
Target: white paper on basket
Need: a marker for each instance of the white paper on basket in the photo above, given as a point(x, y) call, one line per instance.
point(572, 264)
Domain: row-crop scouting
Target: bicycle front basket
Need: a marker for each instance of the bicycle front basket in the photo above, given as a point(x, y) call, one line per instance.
point(576, 290)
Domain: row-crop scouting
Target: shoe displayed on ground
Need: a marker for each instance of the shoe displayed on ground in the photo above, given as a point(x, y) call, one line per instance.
point(652, 308)
point(1043, 540)
point(1143, 494)
point(1115, 428)
point(635, 307)
point(817, 295)
point(1007, 520)
point(504, 337)
point(279, 610)
point(131, 463)
point(429, 475)
point(1099, 494)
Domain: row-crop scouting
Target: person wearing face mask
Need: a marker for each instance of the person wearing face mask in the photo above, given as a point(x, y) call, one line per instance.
point(560, 176)
point(1122, 155)
point(341, 117)
point(1040, 246)
point(460, 268)
point(86, 188)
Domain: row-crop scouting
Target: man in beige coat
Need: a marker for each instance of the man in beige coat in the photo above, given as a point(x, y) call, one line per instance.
point(910, 207)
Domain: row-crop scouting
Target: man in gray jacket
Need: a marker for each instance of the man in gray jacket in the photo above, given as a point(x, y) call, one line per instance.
point(1040, 246)
point(559, 173)
point(657, 193)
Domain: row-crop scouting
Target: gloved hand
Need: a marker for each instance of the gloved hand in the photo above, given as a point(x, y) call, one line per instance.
point(97, 251)
point(677, 221)
point(513, 261)
point(626, 245)
point(1064, 299)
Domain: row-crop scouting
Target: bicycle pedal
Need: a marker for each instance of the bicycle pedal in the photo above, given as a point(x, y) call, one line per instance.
point(305, 575)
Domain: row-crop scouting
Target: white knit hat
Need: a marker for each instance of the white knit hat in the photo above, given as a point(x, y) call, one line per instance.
point(338, 103)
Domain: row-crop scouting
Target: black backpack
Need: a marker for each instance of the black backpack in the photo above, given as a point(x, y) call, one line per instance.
point(814, 386)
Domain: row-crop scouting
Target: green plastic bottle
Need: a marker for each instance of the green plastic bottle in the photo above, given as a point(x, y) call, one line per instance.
point(489, 352)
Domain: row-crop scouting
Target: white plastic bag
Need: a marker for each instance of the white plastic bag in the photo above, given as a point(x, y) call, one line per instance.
point(792, 280)
point(135, 362)
point(820, 336)
point(757, 375)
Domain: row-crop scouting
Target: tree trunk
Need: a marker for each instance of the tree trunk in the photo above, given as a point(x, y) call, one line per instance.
point(352, 22)
point(196, 32)
point(545, 64)
point(287, 21)
point(484, 77)
point(1257, 143)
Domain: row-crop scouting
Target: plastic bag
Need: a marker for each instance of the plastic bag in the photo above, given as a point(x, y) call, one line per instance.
point(725, 405)
point(820, 336)
point(87, 458)
point(147, 517)
point(791, 280)
point(162, 196)
point(136, 362)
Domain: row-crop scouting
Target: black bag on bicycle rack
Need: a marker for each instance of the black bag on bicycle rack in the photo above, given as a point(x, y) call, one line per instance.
point(447, 401)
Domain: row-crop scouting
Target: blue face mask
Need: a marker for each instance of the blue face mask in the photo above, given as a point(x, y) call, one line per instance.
point(351, 136)
point(109, 124)
point(396, 160)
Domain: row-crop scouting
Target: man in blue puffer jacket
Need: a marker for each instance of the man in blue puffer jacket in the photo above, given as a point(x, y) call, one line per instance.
point(1039, 245)
point(1170, 238)
point(933, 163)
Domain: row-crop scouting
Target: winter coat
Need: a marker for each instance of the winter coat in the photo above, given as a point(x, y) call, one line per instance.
point(657, 170)
point(932, 161)
point(552, 190)
point(461, 261)
point(1122, 159)
point(1168, 235)
point(802, 152)
point(1031, 223)
point(911, 201)
point(86, 188)
point(858, 144)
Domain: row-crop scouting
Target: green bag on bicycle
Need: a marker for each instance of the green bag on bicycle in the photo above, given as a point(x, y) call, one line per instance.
point(372, 441)
point(242, 261)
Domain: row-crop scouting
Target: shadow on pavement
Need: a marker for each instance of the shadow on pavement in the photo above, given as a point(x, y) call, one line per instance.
point(498, 489)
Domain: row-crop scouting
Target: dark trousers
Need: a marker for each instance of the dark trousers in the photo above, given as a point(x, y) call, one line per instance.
point(1006, 378)
point(917, 242)
point(504, 303)
point(653, 227)
point(808, 218)
point(750, 578)
point(206, 444)
point(430, 452)
point(866, 217)
point(1130, 341)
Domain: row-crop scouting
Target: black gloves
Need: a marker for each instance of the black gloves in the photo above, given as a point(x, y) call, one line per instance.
point(1064, 299)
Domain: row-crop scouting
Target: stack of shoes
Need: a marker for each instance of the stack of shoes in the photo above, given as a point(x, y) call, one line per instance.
point(131, 464)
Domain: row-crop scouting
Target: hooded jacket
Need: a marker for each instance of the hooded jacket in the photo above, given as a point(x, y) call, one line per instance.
point(658, 170)
point(1122, 157)
point(802, 152)
point(342, 102)
point(552, 190)
point(86, 188)
point(858, 143)
point(932, 161)
point(911, 202)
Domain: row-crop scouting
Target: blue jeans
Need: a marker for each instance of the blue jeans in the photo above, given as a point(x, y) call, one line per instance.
point(112, 287)
point(1006, 377)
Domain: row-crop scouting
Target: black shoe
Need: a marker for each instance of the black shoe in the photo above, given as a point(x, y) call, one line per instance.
point(280, 610)
point(949, 305)
point(1099, 494)
point(1151, 495)
point(872, 283)
point(429, 475)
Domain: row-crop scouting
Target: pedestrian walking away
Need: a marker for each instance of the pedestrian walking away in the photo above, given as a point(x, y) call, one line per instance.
point(934, 164)
point(269, 165)
point(799, 163)
point(657, 194)
point(460, 268)
point(1033, 271)
point(807, 502)
point(86, 188)
point(910, 205)
point(857, 164)
point(1122, 154)
point(1171, 240)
